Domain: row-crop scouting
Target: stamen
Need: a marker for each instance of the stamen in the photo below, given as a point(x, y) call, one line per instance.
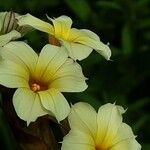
point(35, 87)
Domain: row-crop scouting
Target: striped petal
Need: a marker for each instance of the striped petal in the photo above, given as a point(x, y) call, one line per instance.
point(20, 53)
point(55, 102)
point(35, 23)
point(77, 140)
point(83, 118)
point(27, 105)
point(69, 78)
point(125, 137)
point(13, 75)
point(2, 17)
point(128, 144)
point(4, 39)
point(109, 119)
point(50, 60)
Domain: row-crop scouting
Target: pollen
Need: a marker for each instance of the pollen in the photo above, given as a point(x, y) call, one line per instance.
point(38, 85)
point(35, 87)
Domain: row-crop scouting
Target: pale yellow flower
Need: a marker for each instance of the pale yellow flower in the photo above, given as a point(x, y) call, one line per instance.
point(98, 131)
point(79, 43)
point(40, 79)
point(9, 29)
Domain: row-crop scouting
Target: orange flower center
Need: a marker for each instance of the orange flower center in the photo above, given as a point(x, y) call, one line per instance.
point(53, 41)
point(99, 148)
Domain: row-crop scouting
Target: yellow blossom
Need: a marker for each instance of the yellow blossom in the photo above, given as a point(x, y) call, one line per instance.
point(98, 131)
point(40, 79)
point(79, 42)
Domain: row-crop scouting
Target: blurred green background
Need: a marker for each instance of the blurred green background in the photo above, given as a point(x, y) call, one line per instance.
point(125, 24)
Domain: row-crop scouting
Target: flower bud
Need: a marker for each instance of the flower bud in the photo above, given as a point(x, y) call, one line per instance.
point(9, 28)
point(10, 23)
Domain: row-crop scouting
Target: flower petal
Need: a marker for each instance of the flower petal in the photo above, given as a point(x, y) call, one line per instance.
point(125, 136)
point(70, 67)
point(62, 26)
point(4, 39)
point(50, 60)
point(13, 75)
point(2, 17)
point(20, 53)
point(93, 41)
point(90, 39)
point(77, 140)
point(77, 51)
point(109, 119)
point(83, 118)
point(69, 78)
point(90, 34)
point(35, 23)
point(55, 102)
point(130, 144)
point(27, 105)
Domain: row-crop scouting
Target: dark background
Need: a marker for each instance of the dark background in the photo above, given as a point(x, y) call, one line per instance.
point(125, 24)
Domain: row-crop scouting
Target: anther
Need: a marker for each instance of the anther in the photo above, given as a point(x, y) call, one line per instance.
point(35, 87)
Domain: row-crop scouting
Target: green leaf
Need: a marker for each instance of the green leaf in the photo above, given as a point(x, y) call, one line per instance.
point(111, 5)
point(141, 3)
point(147, 36)
point(92, 100)
point(139, 104)
point(80, 7)
point(145, 23)
point(127, 41)
point(146, 146)
point(140, 123)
